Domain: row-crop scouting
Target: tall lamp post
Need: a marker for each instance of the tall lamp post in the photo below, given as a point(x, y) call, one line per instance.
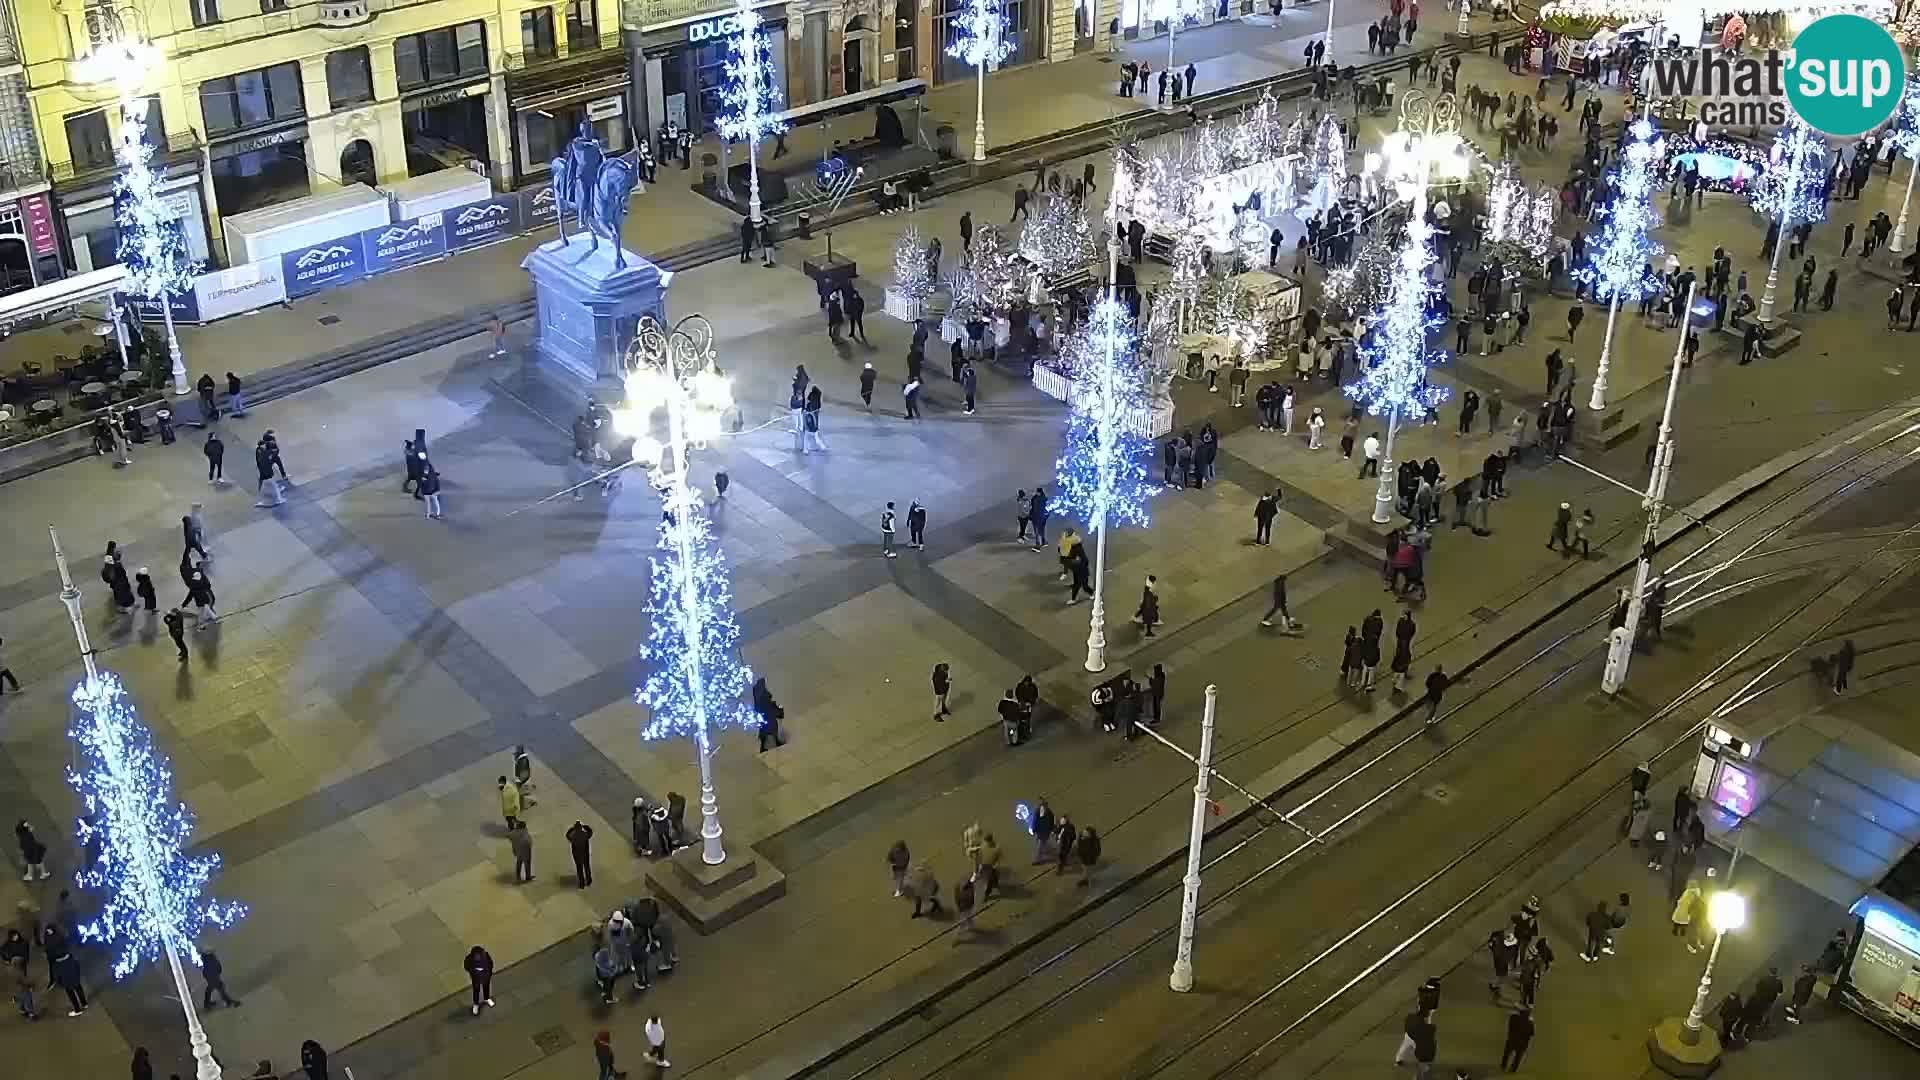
point(1620, 641)
point(1787, 192)
point(980, 39)
point(1726, 911)
point(1177, 13)
point(1181, 979)
point(150, 244)
point(750, 103)
point(153, 892)
point(696, 679)
point(1619, 270)
point(1102, 471)
point(1426, 145)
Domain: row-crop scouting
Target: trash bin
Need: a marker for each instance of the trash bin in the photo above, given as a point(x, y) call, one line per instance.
point(947, 141)
point(803, 224)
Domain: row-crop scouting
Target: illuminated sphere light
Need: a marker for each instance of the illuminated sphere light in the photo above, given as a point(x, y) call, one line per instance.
point(750, 100)
point(695, 681)
point(1617, 265)
point(1102, 473)
point(1791, 188)
point(980, 35)
point(1395, 360)
point(153, 895)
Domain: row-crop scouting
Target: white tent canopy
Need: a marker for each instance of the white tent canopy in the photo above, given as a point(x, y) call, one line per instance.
point(62, 295)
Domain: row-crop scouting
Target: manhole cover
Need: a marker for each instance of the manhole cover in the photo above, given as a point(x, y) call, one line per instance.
point(1439, 793)
point(1485, 614)
point(552, 1040)
point(329, 320)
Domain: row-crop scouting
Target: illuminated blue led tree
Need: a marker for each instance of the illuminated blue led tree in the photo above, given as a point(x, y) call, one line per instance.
point(1620, 268)
point(1792, 192)
point(1397, 357)
point(151, 245)
point(695, 679)
point(153, 894)
point(980, 39)
point(1904, 134)
point(1102, 472)
point(750, 102)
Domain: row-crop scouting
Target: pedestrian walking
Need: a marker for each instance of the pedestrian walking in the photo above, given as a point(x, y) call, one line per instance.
point(1148, 613)
point(176, 624)
point(1350, 658)
point(942, 683)
point(924, 888)
point(963, 903)
point(510, 801)
point(1087, 846)
point(1803, 984)
point(987, 867)
point(1037, 514)
point(1403, 632)
point(268, 488)
point(1437, 684)
point(856, 306)
point(1370, 456)
point(1582, 527)
point(656, 1032)
point(867, 378)
point(1690, 903)
point(770, 714)
point(603, 1042)
point(579, 841)
point(214, 973)
point(1264, 511)
point(521, 841)
point(916, 525)
point(1369, 658)
point(479, 967)
point(1316, 424)
point(899, 860)
point(1562, 529)
point(1041, 822)
point(33, 853)
point(1599, 925)
point(191, 537)
point(1279, 607)
point(1842, 666)
point(1519, 1035)
point(216, 455)
point(63, 970)
point(1575, 315)
point(886, 532)
point(1066, 836)
point(910, 395)
point(13, 957)
point(969, 387)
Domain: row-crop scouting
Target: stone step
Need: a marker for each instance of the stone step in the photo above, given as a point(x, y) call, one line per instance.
point(1783, 340)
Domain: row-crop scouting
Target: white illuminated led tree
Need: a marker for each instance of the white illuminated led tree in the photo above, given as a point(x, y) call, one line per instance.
point(1618, 270)
point(750, 101)
point(1789, 192)
point(1101, 475)
point(150, 243)
point(153, 894)
point(1426, 147)
point(1905, 136)
point(980, 39)
point(695, 680)
point(1058, 240)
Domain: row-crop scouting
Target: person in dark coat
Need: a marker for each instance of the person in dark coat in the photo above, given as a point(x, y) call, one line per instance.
point(1842, 666)
point(33, 853)
point(479, 966)
point(1760, 1004)
point(747, 234)
point(143, 588)
point(191, 537)
point(770, 715)
point(1037, 517)
point(63, 970)
point(177, 630)
point(1148, 613)
point(115, 575)
point(1403, 632)
point(1068, 836)
point(142, 1064)
point(579, 841)
point(215, 975)
point(314, 1060)
point(1519, 1034)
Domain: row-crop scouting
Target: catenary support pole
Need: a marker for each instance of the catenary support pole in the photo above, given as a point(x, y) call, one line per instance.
point(1181, 980)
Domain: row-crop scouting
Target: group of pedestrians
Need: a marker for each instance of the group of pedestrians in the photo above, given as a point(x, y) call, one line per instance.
point(128, 594)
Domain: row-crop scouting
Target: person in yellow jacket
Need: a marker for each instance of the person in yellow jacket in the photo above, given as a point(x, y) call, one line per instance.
point(510, 803)
point(1068, 541)
point(1691, 905)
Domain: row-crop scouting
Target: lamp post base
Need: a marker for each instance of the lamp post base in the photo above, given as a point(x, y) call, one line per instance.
point(1670, 1052)
point(709, 897)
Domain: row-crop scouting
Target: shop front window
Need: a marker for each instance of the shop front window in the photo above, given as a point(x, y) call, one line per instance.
point(264, 177)
point(953, 13)
point(88, 141)
point(453, 52)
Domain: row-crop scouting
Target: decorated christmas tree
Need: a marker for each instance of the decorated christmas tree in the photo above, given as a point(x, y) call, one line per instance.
point(913, 276)
point(1058, 241)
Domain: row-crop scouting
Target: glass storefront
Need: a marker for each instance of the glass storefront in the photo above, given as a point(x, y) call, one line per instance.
point(445, 130)
point(693, 72)
point(545, 130)
point(1024, 32)
point(259, 171)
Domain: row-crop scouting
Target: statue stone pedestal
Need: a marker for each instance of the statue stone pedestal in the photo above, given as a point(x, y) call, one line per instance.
point(588, 310)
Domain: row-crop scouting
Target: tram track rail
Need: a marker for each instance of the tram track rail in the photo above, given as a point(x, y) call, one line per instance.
point(1251, 826)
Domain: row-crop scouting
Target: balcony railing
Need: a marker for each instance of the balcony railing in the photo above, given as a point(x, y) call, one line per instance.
point(579, 49)
point(180, 143)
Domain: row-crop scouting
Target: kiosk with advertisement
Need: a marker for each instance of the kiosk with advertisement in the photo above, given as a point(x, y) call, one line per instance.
point(1882, 977)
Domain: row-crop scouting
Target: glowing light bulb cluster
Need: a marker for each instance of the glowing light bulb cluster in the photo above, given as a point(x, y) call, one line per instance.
point(1618, 267)
point(1058, 240)
point(1102, 472)
point(1396, 357)
point(153, 895)
point(750, 101)
point(151, 244)
point(980, 35)
point(1791, 189)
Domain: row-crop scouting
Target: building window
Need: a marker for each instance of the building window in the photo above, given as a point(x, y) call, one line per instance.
point(87, 140)
point(905, 29)
point(349, 77)
point(267, 7)
point(453, 52)
point(252, 98)
point(536, 34)
point(154, 133)
point(205, 12)
point(583, 26)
